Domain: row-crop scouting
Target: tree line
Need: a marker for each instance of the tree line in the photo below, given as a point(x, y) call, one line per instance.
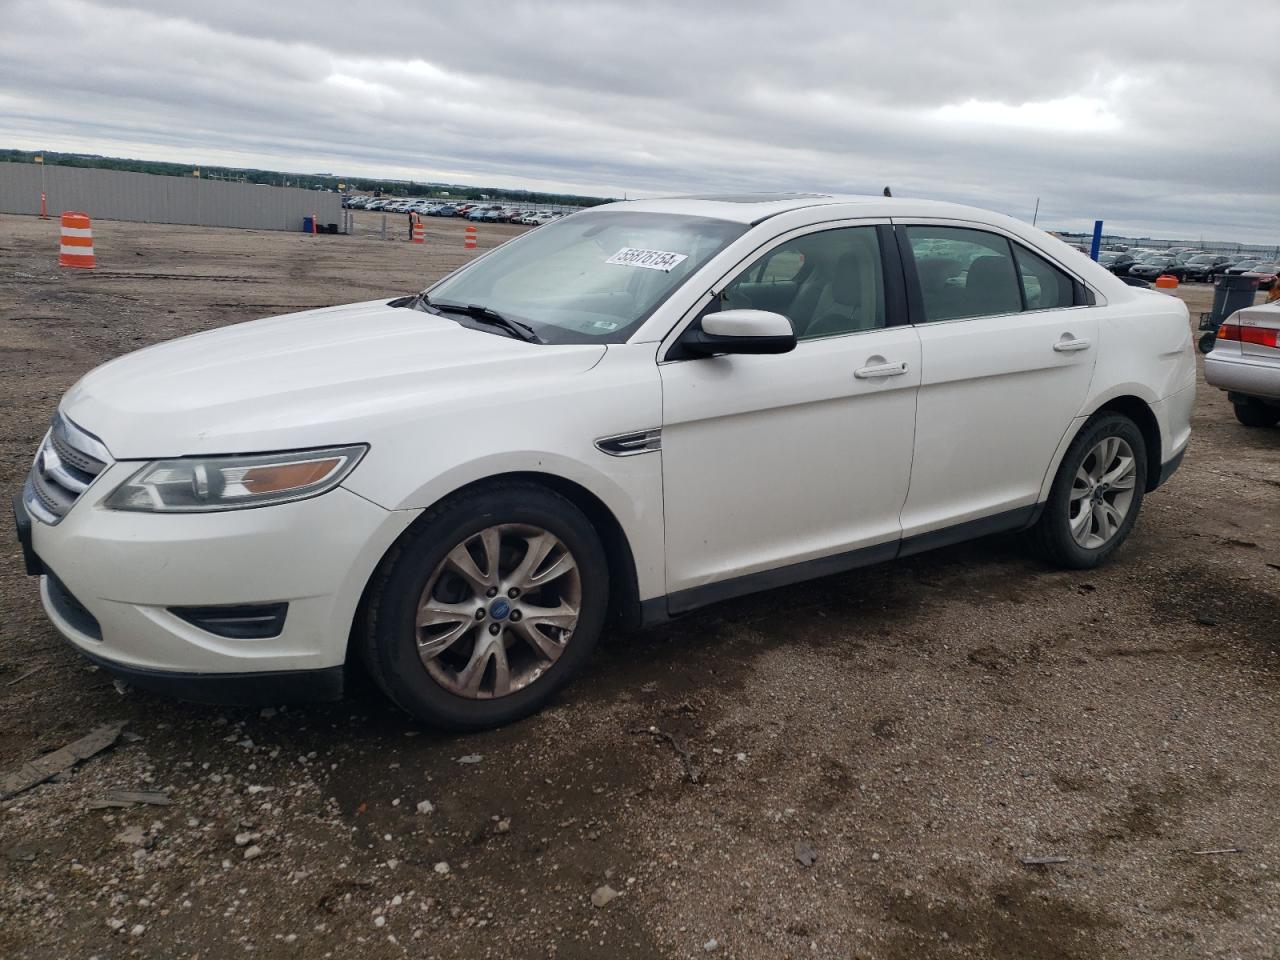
point(307, 181)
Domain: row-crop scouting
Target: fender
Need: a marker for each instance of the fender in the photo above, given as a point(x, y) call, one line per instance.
point(632, 492)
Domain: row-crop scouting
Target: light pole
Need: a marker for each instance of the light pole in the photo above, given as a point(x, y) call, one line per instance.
point(44, 212)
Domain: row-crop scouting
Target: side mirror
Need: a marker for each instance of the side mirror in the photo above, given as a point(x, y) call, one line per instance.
point(740, 331)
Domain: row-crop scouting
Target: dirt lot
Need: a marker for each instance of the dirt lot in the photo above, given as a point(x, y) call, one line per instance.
point(918, 726)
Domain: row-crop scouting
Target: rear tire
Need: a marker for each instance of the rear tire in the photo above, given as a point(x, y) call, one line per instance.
point(468, 649)
point(1255, 413)
point(1096, 495)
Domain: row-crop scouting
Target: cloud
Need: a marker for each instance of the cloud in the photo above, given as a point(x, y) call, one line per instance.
point(1159, 120)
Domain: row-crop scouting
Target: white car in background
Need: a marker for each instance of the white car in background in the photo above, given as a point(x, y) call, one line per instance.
point(637, 410)
point(1245, 362)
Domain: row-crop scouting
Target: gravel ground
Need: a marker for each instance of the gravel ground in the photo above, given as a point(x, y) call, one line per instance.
point(870, 754)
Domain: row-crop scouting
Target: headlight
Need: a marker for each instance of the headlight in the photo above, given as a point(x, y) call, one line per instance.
point(202, 484)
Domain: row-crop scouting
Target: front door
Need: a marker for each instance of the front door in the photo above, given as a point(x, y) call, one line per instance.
point(780, 467)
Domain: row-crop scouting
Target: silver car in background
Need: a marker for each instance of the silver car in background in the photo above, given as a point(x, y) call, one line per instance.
point(1245, 362)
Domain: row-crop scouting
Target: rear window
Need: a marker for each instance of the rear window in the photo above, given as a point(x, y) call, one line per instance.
point(1044, 286)
point(973, 273)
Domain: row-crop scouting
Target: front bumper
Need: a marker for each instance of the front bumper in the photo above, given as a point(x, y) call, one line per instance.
point(1254, 377)
point(122, 572)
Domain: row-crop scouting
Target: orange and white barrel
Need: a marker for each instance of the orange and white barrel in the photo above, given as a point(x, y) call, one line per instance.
point(469, 241)
point(419, 231)
point(77, 242)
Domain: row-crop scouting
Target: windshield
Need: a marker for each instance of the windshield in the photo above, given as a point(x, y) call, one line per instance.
point(1203, 258)
point(590, 278)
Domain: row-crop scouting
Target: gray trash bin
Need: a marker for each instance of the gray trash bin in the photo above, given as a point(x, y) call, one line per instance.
point(1230, 293)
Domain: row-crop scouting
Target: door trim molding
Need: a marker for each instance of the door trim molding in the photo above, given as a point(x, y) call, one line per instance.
point(661, 609)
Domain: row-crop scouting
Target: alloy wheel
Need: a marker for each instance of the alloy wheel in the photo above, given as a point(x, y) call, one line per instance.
point(498, 611)
point(1102, 492)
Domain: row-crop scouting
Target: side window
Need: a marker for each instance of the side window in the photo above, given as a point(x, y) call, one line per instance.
point(1044, 286)
point(964, 273)
point(827, 283)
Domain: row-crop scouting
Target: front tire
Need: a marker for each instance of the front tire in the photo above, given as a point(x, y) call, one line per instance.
point(1096, 495)
point(1254, 413)
point(486, 607)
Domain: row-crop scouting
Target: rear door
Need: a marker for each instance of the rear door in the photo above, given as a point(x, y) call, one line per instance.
point(1007, 356)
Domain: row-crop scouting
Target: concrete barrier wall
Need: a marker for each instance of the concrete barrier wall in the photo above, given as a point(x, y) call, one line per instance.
point(146, 197)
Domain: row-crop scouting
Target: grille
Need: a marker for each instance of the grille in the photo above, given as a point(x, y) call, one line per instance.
point(68, 461)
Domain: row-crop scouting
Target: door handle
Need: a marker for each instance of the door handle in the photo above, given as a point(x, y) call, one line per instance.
point(1071, 346)
point(880, 370)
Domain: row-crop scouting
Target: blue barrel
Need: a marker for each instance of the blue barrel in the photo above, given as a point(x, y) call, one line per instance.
point(306, 224)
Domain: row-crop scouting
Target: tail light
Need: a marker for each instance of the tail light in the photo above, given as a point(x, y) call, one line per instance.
point(1260, 336)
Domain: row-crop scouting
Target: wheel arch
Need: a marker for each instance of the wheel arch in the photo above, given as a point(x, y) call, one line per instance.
point(1139, 411)
point(624, 588)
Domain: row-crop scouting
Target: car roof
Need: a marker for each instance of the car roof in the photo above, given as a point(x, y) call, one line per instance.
point(752, 208)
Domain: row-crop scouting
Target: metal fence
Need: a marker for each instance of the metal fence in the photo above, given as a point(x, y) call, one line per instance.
point(1260, 250)
point(150, 198)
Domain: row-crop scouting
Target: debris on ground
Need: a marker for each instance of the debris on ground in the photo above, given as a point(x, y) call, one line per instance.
point(691, 772)
point(604, 895)
point(1042, 861)
point(43, 768)
point(18, 679)
point(133, 836)
point(129, 798)
point(805, 854)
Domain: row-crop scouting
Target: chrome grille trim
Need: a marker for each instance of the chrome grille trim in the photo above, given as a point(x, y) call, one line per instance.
point(67, 463)
point(630, 444)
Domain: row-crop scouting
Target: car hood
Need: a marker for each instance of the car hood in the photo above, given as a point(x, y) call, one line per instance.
point(305, 379)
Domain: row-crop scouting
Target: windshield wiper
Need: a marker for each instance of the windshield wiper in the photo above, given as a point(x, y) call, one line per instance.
point(521, 331)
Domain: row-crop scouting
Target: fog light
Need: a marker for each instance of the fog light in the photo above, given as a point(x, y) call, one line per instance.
point(246, 621)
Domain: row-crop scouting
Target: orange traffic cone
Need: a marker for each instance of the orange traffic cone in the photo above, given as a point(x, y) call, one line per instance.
point(419, 231)
point(469, 242)
point(77, 242)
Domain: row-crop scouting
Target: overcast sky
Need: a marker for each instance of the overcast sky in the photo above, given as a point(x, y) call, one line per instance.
point(1158, 117)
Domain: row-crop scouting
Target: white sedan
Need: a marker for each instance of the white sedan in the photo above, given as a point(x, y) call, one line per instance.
point(606, 422)
point(1245, 362)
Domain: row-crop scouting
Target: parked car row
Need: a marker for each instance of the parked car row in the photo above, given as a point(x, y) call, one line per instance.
point(486, 212)
point(1203, 267)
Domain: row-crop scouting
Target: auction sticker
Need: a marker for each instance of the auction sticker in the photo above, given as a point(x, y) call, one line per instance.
point(649, 259)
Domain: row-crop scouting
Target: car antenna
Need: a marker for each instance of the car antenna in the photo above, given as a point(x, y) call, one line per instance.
point(887, 193)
